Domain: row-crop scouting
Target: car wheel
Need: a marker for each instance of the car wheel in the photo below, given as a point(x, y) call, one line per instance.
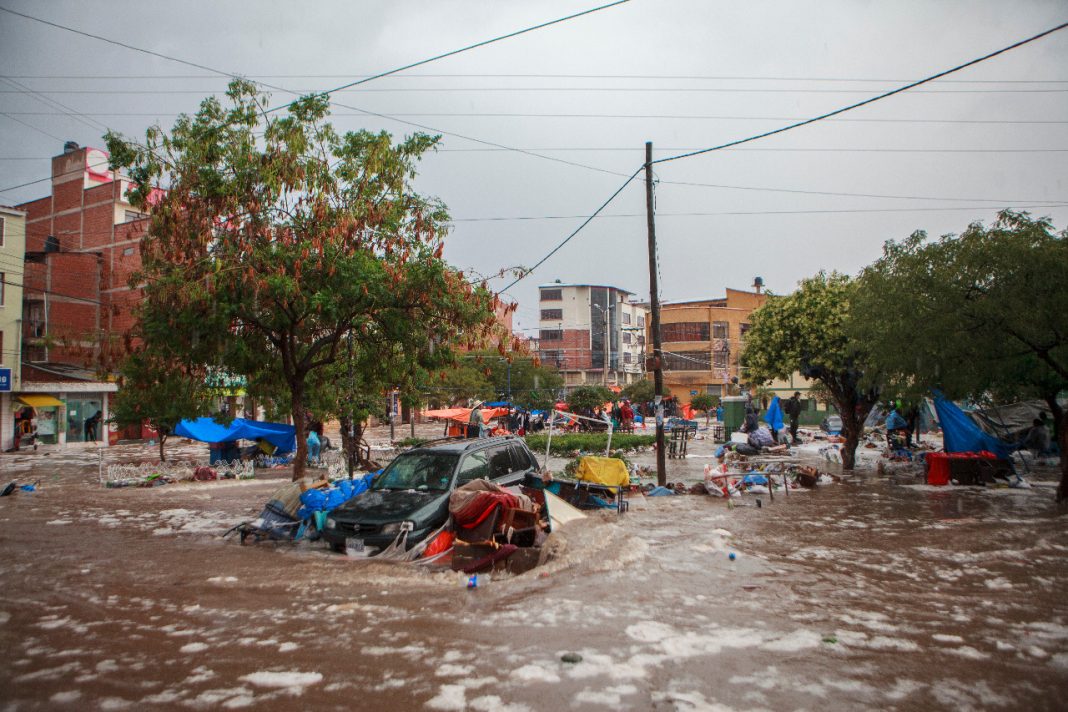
point(337, 547)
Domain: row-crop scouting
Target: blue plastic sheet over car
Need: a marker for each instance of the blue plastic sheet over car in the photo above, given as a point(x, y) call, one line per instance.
point(206, 430)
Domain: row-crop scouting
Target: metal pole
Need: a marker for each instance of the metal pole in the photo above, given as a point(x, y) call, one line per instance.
point(654, 299)
point(604, 318)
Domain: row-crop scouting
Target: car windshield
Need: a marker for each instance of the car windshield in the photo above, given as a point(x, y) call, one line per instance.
point(424, 471)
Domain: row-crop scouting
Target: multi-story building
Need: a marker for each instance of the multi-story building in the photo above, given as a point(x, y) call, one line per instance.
point(81, 246)
point(594, 334)
point(12, 247)
point(701, 341)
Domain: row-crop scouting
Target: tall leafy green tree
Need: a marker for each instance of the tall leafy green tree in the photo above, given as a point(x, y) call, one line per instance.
point(806, 332)
point(981, 314)
point(160, 389)
point(278, 237)
point(639, 391)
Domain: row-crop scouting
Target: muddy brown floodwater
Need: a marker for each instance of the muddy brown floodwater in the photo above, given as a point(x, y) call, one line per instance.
point(868, 595)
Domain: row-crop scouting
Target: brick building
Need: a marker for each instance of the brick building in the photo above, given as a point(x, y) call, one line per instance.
point(595, 335)
point(81, 247)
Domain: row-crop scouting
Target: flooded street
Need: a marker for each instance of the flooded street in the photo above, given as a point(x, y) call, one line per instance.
point(861, 595)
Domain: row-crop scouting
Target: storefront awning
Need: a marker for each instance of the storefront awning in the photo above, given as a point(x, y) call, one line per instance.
point(39, 401)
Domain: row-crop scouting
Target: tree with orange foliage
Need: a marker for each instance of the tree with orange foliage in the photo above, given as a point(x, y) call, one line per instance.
point(278, 238)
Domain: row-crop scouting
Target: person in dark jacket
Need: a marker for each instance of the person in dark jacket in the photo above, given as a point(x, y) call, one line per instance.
point(792, 407)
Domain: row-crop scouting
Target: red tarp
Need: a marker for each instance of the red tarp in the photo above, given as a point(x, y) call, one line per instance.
point(463, 415)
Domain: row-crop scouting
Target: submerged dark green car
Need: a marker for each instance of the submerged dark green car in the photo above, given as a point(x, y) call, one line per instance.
point(412, 493)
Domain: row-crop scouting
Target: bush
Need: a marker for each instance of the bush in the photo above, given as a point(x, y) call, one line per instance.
point(411, 442)
point(590, 443)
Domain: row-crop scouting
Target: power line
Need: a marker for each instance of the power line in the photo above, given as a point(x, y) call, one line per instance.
point(463, 75)
point(577, 230)
point(871, 100)
point(758, 212)
point(353, 108)
point(468, 48)
point(777, 149)
point(630, 90)
point(643, 117)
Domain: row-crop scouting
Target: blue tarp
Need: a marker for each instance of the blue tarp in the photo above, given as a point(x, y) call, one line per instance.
point(774, 415)
point(206, 430)
point(961, 434)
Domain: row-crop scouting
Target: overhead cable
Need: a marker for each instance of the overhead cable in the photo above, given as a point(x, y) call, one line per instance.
point(868, 101)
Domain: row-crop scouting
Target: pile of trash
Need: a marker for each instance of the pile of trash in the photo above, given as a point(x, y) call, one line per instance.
point(727, 480)
point(13, 488)
point(155, 474)
point(298, 510)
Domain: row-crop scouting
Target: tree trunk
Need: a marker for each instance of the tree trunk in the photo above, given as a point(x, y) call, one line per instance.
point(851, 431)
point(300, 459)
point(162, 439)
point(1060, 432)
point(348, 444)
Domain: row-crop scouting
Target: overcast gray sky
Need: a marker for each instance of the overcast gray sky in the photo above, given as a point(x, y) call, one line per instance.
point(684, 74)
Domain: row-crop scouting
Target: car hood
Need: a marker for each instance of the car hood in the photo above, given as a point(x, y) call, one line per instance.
point(387, 505)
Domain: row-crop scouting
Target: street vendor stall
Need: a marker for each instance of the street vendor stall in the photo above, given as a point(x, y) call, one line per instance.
point(456, 419)
point(208, 430)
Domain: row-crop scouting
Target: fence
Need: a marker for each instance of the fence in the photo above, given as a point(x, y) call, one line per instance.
point(125, 475)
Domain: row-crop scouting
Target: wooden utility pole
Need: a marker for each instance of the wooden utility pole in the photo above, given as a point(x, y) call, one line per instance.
point(654, 301)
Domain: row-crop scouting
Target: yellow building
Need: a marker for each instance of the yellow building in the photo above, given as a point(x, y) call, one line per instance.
point(701, 343)
point(12, 254)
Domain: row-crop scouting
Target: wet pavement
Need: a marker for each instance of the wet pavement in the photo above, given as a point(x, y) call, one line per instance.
point(864, 595)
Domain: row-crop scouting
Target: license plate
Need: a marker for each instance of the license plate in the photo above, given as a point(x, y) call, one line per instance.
point(355, 547)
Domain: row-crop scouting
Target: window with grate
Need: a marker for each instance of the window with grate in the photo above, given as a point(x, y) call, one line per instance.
point(626, 337)
point(626, 318)
point(552, 314)
point(720, 330)
point(627, 357)
point(743, 329)
point(685, 331)
point(720, 359)
point(551, 295)
point(688, 361)
point(552, 358)
point(641, 321)
point(551, 335)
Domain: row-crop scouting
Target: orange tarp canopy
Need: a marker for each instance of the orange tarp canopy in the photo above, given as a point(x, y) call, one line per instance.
point(463, 415)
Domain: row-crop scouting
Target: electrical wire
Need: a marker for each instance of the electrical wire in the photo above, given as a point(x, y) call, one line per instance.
point(577, 230)
point(687, 77)
point(868, 101)
point(353, 108)
point(451, 90)
point(643, 117)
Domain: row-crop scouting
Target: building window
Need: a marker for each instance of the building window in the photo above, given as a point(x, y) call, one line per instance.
point(3, 283)
point(132, 215)
point(552, 358)
point(627, 358)
point(551, 295)
point(688, 361)
point(720, 330)
point(2, 225)
point(641, 340)
point(743, 329)
point(685, 331)
point(127, 251)
point(626, 318)
point(641, 321)
point(626, 337)
point(552, 314)
point(551, 335)
point(720, 359)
